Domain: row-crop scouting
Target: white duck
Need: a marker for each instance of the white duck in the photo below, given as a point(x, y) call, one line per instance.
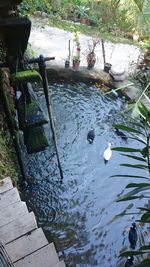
point(107, 153)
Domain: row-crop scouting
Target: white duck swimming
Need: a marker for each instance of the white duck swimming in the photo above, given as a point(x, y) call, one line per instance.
point(107, 153)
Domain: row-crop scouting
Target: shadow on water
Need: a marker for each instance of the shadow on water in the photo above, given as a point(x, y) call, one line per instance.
point(80, 215)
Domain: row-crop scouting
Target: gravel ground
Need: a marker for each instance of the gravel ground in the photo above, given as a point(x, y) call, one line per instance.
point(51, 41)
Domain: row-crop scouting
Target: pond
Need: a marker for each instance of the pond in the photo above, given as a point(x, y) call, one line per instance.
point(81, 215)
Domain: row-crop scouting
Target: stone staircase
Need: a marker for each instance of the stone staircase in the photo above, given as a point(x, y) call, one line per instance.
point(25, 243)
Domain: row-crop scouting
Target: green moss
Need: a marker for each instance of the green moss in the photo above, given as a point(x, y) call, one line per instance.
point(35, 139)
point(7, 164)
point(8, 160)
point(26, 76)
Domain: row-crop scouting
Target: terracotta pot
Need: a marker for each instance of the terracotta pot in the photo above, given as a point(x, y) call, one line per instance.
point(91, 59)
point(76, 64)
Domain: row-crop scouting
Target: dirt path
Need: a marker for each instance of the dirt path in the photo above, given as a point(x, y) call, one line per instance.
point(51, 41)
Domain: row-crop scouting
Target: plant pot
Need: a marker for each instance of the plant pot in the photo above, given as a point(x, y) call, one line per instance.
point(107, 67)
point(67, 64)
point(91, 59)
point(76, 64)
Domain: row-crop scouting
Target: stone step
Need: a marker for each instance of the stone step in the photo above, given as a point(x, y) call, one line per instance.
point(5, 185)
point(17, 228)
point(26, 245)
point(9, 197)
point(44, 257)
point(12, 212)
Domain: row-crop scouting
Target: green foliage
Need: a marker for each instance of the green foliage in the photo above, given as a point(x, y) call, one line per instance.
point(28, 7)
point(140, 132)
point(116, 16)
point(7, 165)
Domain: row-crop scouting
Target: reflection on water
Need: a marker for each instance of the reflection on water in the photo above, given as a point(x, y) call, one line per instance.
point(81, 216)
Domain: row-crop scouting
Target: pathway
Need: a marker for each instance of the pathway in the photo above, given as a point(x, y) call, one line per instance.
point(51, 41)
point(24, 243)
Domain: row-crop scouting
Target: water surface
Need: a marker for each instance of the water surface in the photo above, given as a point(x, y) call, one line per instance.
point(80, 215)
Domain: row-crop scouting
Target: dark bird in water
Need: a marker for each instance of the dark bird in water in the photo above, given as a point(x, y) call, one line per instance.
point(91, 136)
point(129, 261)
point(133, 236)
point(121, 134)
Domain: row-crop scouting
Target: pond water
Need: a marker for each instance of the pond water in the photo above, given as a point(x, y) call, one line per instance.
point(81, 215)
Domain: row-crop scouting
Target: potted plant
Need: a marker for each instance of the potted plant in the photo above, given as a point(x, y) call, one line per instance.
point(67, 61)
point(76, 56)
point(76, 62)
point(82, 13)
point(91, 56)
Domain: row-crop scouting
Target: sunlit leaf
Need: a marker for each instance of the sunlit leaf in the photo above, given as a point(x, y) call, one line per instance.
point(143, 111)
point(125, 128)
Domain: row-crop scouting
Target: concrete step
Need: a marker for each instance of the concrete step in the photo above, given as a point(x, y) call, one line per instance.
point(5, 185)
point(17, 228)
point(44, 257)
point(12, 212)
point(9, 197)
point(26, 245)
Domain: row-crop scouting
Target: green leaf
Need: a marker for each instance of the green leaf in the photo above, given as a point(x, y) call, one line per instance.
point(145, 152)
point(144, 247)
point(132, 253)
point(125, 149)
point(130, 176)
point(131, 194)
point(143, 109)
point(134, 157)
point(125, 128)
point(126, 198)
point(139, 4)
point(145, 217)
point(145, 209)
point(139, 185)
point(137, 166)
point(138, 139)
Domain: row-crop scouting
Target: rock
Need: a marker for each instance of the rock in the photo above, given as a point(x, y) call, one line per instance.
point(118, 73)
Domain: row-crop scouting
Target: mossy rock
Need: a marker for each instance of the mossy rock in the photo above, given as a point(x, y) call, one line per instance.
point(35, 139)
